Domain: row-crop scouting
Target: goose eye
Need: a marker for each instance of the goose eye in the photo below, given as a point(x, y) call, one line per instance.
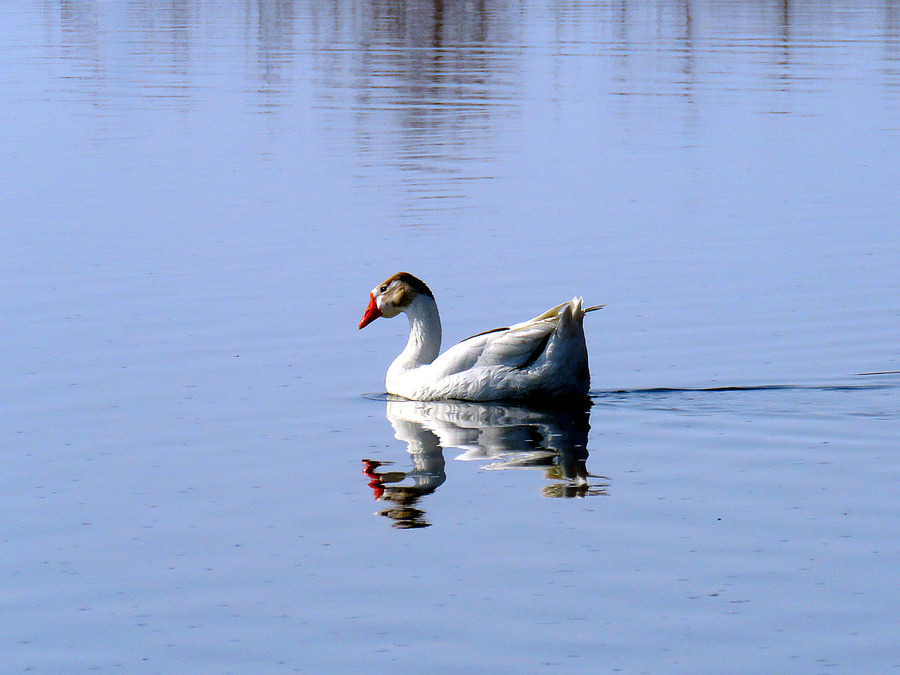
point(383, 288)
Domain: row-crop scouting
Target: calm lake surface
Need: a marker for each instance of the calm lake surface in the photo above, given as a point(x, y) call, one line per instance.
point(197, 196)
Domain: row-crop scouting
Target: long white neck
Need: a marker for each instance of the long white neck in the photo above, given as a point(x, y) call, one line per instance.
point(424, 335)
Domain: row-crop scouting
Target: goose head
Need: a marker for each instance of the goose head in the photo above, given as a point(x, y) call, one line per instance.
point(392, 296)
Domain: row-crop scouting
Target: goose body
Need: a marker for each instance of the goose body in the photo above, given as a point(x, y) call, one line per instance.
point(544, 358)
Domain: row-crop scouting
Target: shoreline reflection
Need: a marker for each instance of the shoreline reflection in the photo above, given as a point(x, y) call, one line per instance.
point(502, 436)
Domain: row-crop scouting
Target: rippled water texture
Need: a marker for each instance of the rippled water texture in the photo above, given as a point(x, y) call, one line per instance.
point(201, 472)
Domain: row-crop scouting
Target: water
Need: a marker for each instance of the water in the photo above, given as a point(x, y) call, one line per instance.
point(196, 198)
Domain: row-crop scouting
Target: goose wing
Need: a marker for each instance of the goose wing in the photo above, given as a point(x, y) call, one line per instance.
point(516, 346)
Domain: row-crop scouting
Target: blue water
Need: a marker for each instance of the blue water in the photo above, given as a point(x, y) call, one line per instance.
point(201, 471)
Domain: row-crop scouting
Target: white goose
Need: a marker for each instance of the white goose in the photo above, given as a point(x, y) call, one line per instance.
point(543, 358)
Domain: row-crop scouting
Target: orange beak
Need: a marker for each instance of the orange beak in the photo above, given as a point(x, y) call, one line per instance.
point(372, 313)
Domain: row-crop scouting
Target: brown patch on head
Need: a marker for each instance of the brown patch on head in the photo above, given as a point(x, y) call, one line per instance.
point(397, 293)
point(413, 282)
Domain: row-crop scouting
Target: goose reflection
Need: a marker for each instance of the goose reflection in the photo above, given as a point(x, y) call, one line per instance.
point(499, 436)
